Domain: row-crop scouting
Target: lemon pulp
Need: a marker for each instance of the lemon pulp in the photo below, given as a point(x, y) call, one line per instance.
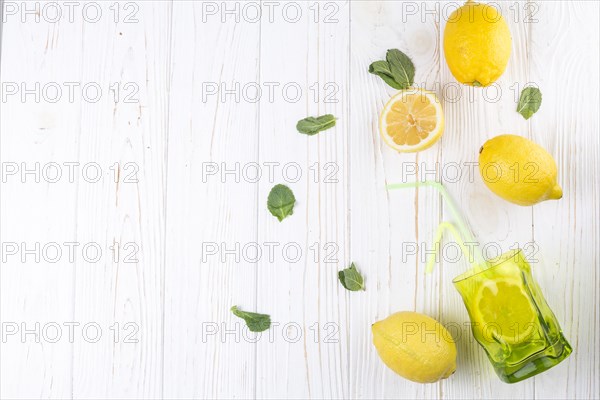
point(505, 310)
point(412, 120)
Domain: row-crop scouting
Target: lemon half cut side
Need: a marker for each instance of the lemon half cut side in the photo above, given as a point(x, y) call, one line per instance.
point(412, 120)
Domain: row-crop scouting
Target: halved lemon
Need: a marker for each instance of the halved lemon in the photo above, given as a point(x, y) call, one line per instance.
point(412, 120)
point(505, 310)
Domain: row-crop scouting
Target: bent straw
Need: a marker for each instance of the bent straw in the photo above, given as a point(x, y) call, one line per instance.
point(446, 226)
point(465, 232)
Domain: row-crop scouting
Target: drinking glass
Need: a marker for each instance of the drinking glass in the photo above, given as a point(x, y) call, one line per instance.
point(510, 318)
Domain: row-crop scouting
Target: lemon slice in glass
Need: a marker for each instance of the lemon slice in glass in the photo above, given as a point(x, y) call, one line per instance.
point(505, 310)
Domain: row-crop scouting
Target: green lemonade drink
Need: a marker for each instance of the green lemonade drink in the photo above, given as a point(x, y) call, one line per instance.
point(511, 319)
point(509, 316)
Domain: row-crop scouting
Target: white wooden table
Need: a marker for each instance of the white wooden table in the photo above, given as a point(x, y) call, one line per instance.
point(158, 115)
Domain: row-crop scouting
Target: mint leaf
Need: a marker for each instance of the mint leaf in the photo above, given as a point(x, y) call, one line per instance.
point(382, 70)
point(255, 322)
point(281, 202)
point(351, 279)
point(397, 70)
point(314, 125)
point(529, 102)
point(403, 70)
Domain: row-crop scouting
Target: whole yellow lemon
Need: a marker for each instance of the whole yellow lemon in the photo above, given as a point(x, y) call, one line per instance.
point(415, 346)
point(518, 170)
point(477, 44)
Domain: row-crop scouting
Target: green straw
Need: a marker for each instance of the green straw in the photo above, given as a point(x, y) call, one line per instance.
point(447, 226)
point(463, 228)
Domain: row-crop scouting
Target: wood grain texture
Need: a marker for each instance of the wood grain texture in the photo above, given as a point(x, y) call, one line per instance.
point(205, 353)
point(567, 231)
point(128, 213)
point(391, 256)
point(37, 291)
point(220, 92)
point(307, 357)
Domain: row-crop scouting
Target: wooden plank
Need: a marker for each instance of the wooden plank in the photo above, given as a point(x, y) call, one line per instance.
point(37, 295)
point(565, 66)
point(389, 231)
point(474, 115)
point(207, 351)
point(308, 357)
point(124, 213)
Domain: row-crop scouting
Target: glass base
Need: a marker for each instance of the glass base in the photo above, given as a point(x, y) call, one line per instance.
point(535, 364)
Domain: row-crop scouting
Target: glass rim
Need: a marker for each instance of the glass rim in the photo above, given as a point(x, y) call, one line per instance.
point(516, 254)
